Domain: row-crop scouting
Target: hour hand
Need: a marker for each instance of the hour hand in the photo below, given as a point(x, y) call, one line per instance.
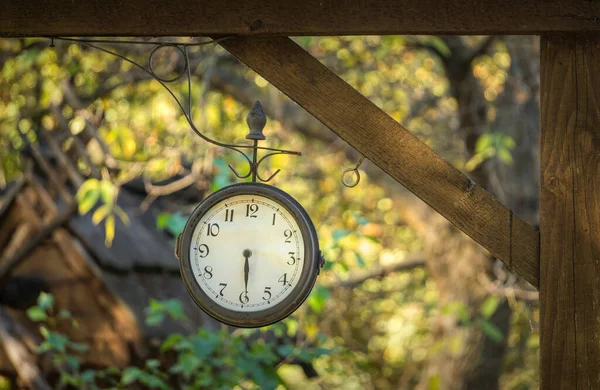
point(247, 253)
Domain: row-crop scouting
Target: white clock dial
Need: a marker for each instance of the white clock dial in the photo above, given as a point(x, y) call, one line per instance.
point(247, 253)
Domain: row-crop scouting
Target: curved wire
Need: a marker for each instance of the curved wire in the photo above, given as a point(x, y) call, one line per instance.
point(185, 114)
point(128, 42)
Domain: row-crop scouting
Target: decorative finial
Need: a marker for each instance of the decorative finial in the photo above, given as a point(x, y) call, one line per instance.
point(256, 121)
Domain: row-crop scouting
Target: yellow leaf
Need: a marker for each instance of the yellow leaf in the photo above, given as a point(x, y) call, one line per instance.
point(109, 230)
point(100, 213)
point(107, 191)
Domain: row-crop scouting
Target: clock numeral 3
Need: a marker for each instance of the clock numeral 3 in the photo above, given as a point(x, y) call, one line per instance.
point(292, 259)
point(267, 295)
point(229, 215)
point(251, 210)
point(213, 229)
point(203, 250)
point(224, 285)
point(244, 297)
point(283, 279)
point(208, 272)
point(288, 236)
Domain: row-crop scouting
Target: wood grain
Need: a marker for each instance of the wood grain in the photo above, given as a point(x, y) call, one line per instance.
point(293, 17)
point(394, 149)
point(570, 213)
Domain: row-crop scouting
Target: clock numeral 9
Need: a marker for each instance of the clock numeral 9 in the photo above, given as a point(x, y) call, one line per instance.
point(288, 236)
point(244, 297)
point(267, 292)
point(251, 210)
point(208, 272)
point(203, 251)
point(292, 259)
point(213, 229)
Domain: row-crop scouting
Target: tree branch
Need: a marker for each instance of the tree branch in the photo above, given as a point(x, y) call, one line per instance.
point(379, 271)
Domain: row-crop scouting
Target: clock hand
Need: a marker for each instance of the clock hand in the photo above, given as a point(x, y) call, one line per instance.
point(247, 253)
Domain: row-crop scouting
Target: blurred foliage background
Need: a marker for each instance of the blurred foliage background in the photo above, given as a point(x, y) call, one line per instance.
point(405, 300)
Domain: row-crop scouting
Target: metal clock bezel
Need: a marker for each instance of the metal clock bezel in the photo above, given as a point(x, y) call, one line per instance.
point(307, 277)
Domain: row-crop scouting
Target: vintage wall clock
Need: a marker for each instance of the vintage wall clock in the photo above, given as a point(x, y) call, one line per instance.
point(249, 254)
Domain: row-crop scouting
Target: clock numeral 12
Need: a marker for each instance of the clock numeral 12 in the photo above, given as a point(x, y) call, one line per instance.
point(251, 210)
point(229, 215)
point(213, 229)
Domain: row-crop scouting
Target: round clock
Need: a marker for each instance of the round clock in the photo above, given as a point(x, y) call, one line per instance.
point(249, 255)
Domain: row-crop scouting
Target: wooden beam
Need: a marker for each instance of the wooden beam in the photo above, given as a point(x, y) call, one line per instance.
point(394, 149)
point(570, 212)
point(293, 17)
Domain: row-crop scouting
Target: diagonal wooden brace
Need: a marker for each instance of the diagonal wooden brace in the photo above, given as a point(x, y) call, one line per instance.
point(393, 148)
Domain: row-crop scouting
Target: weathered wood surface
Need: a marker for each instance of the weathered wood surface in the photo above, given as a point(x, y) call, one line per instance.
point(292, 17)
point(394, 149)
point(570, 213)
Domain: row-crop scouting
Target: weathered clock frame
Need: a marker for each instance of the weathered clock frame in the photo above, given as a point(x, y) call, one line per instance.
point(306, 281)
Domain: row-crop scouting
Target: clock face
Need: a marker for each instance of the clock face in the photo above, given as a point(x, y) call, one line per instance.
point(249, 255)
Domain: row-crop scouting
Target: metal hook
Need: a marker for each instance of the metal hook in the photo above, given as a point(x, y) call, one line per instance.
point(356, 177)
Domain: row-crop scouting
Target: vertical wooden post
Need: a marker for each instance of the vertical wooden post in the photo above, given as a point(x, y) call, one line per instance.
point(570, 212)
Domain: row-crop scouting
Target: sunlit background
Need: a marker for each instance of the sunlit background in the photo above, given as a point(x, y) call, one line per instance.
point(405, 301)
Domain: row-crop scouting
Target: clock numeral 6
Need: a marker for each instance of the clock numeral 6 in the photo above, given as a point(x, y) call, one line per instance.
point(288, 236)
point(213, 229)
point(292, 259)
point(267, 292)
point(244, 297)
point(203, 250)
point(251, 210)
point(223, 285)
point(208, 272)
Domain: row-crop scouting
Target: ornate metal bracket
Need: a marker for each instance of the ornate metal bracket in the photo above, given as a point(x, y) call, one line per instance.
point(256, 117)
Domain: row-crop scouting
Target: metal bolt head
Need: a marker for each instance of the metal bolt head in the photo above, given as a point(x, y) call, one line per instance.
point(256, 121)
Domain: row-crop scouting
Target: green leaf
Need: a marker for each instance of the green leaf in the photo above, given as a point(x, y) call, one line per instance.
point(78, 346)
point(285, 350)
point(359, 259)
point(45, 301)
point(489, 307)
point(187, 364)
point(338, 234)
point(434, 383)
point(505, 156)
point(64, 314)
point(152, 364)
point(36, 314)
point(87, 195)
point(57, 341)
point(162, 220)
point(170, 342)
point(107, 191)
point(131, 375)
point(491, 331)
point(318, 297)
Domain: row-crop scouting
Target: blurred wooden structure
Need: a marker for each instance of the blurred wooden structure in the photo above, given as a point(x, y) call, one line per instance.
point(46, 244)
point(568, 270)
